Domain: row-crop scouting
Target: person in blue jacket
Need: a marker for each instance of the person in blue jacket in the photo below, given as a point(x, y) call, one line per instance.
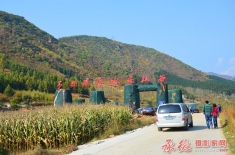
point(219, 108)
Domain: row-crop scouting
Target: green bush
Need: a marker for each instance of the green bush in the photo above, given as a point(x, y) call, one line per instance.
point(17, 97)
point(15, 104)
point(27, 99)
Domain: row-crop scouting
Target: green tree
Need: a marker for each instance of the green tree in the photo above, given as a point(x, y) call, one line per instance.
point(1, 63)
point(92, 88)
point(27, 99)
point(41, 87)
point(9, 91)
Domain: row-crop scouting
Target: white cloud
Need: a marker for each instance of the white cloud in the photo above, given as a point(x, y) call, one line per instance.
point(227, 65)
point(219, 62)
point(232, 61)
point(230, 71)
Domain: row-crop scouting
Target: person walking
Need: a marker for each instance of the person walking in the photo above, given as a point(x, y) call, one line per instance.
point(215, 114)
point(207, 110)
point(219, 108)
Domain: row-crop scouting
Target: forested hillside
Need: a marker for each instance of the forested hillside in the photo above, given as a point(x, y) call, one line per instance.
point(106, 57)
point(222, 76)
point(32, 59)
point(24, 43)
point(216, 84)
point(26, 78)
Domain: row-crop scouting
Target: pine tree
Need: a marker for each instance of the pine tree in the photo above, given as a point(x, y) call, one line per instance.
point(9, 91)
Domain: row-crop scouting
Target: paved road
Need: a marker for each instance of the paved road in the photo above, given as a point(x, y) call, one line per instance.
point(149, 141)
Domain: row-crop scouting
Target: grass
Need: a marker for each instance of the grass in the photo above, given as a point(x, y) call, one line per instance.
point(227, 120)
point(40, 151)
point(137, 122)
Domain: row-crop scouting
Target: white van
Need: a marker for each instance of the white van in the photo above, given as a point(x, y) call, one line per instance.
point(171, 115)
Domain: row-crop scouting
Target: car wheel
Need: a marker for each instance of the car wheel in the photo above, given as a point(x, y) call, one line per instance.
point(191, 124)
point(186, 126)
point(159, 129)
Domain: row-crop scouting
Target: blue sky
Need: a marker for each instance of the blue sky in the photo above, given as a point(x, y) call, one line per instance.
point(200, 33)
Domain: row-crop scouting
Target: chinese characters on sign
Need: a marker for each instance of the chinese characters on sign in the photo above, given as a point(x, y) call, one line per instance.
point(184, 145)
point(145, 79)
point(99, 82)
point(130, 80)
point(114, 81)
point(73, 84)
point(86, 83)
point(162, 78)
point(59, 85)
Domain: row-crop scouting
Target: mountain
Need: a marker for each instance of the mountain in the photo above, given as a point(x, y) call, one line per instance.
point(222, 76)
point(23, 43)
point(89, 56)
point(107, 57)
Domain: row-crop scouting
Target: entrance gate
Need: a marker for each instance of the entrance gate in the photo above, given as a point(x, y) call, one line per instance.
point(131, 94)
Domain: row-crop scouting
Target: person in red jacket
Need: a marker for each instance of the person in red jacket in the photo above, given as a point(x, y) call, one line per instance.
point(215, 114)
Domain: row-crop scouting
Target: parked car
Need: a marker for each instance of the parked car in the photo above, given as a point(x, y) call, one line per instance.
point(193, 108)
point(149, 110)
point(4, 107)
point(7, 106)
point(140, 110)
point(172, 115)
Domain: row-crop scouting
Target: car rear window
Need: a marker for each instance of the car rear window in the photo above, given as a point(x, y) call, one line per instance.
point(169, 109)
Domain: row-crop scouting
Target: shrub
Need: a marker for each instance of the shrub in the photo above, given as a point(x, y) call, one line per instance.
point(27, 99)
point(14, 106)
point(3, 98)
point(18, 97)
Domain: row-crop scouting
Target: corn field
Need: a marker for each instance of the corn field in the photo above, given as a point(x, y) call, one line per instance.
point(56, 127)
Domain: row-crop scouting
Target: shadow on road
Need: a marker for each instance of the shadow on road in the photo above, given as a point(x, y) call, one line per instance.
point(194, 128)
